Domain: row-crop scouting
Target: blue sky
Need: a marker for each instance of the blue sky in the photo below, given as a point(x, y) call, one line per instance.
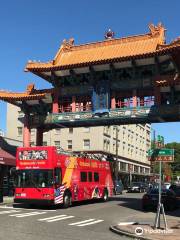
point(34, 30)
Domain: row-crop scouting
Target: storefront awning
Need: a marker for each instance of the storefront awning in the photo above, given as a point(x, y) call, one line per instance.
point(6, 158)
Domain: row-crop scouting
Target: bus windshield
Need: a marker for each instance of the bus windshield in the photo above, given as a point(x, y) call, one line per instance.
point(38, 178)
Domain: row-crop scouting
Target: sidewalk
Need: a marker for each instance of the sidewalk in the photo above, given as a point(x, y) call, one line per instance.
point(7, 200)
point(143, 227)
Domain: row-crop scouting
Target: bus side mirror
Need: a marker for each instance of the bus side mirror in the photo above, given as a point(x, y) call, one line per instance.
point(52, 182)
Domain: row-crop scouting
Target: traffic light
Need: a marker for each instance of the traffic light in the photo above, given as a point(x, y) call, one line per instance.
point(160, 139)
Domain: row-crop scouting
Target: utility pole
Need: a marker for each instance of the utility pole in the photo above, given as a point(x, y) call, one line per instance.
point(160, 208)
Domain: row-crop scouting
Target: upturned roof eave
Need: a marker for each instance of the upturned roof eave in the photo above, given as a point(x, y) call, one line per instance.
point(12, 96)
point(162, 51)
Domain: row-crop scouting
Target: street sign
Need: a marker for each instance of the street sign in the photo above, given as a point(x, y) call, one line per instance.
point(164, 155)
point(160, 138)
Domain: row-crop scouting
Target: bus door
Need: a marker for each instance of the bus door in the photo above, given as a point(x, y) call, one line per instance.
point(57, 177)
point(96, 191)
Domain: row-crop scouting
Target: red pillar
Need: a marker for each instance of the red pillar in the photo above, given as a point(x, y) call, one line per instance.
point(134, 98)
point(55, 105)
point(73, 104)
point(141, 101)
point(113, 101)
point(26, 132)
point(39, 137)
point(157, 96)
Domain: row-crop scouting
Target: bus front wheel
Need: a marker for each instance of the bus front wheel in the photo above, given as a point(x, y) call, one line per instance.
point(67, 200)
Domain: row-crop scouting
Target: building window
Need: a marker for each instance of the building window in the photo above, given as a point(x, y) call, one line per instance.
point(108, 146)
point(20, 131)
point(57, 131)
point(20, 114)
point(104, 144)
point(122, 166)
point(32, 131)
point(70, 130)
point(69, 142)
point(86, 129)
point(108, 131)
point(114, 147)
point(57, 143)
point(136, 169)
point(86, 144)
point(44, 143)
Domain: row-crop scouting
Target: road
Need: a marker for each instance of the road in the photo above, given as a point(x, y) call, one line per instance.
point(89, 221)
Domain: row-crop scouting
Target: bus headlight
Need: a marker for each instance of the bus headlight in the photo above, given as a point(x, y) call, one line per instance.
point(20, 194)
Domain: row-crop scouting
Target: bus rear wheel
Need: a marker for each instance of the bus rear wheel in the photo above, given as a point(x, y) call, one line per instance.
point(67, 200)
point(105, 195)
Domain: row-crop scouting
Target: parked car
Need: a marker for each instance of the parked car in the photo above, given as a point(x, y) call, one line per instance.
point(118, 187)
point(137, 187)
point(166, 185)
point(151, 198)
point(176, 189)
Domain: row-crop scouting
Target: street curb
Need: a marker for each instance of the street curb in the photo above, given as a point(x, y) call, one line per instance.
point(128, 234)
point(7, 201)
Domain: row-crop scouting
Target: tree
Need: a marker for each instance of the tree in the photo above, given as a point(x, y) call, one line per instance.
point(171, 168)
point(175, 166)
point(176, 147)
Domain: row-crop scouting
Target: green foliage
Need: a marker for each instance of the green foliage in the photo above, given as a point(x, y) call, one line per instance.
point(175, 166)
point(156, 168)
point(176, 147)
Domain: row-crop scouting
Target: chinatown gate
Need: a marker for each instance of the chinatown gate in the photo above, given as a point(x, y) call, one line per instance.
point(116, 81)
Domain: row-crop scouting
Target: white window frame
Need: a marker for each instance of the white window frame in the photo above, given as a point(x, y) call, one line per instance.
point(69, 143)
point(20, 128)
point(85, 145)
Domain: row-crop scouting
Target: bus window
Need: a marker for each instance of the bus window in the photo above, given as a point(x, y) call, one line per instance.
point(57, 175)
point(90, 176)
point(83, 176)
point(37, 178)
point(96, 177)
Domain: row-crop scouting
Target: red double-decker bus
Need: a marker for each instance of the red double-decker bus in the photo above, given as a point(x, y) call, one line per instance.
point(45, 176)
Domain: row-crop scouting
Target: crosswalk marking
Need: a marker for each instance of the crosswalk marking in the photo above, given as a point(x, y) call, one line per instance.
point(85, 221)
point(31, 209)
point(90, 223)
point(27, 214)
point(10, 211)
point(44, 219)
point(18, 213)
point(59, 219)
